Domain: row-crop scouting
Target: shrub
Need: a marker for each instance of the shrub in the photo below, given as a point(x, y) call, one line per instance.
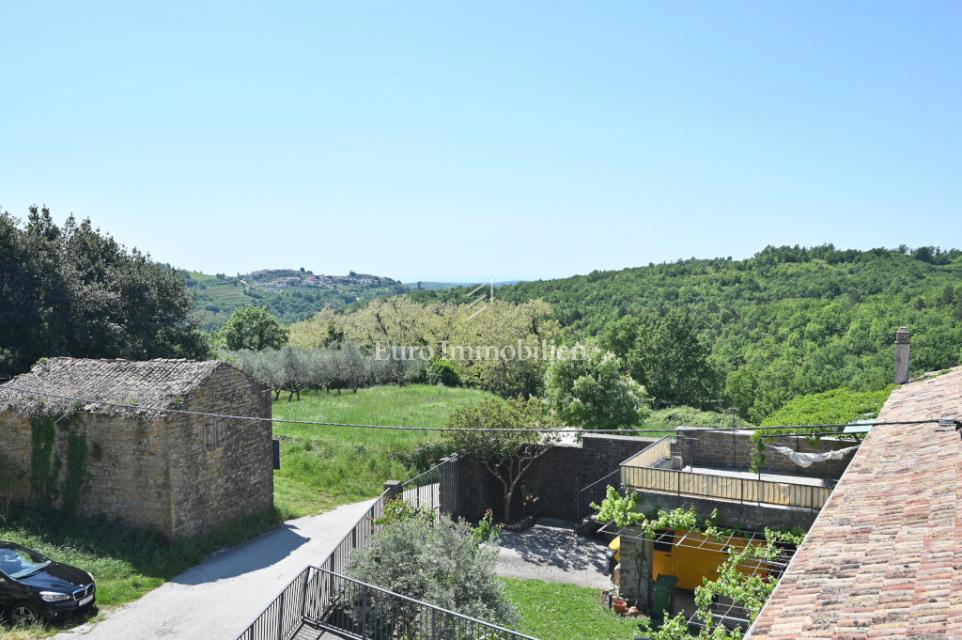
point(437, 562)
point(443, 372)
point(838, 406)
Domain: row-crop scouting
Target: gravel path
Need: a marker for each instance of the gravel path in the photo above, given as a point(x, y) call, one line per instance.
point(553, 554)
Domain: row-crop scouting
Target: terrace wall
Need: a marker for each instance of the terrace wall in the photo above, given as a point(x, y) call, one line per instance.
point(556, 478)
point(733, 449)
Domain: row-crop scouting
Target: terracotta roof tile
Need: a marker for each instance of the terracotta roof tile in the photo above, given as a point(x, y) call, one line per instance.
point(884, 557)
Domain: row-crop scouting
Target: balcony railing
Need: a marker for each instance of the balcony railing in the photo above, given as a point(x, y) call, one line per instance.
point(311, 603)
point(354, 609)
point(640, 473)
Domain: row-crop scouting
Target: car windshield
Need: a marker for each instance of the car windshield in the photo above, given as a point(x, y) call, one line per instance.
point(20, 562)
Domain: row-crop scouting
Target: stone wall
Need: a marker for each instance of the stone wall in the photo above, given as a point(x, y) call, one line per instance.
point(733, 449)
point(124, 474)
point(556, 478)
point(220, 469)
point(748, 516)
point(637, 555)
point(176, 474)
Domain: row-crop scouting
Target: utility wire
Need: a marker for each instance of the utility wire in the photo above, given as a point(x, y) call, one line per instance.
point(318, 423)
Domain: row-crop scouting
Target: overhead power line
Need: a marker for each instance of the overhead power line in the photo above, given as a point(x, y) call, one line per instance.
point(320, 423)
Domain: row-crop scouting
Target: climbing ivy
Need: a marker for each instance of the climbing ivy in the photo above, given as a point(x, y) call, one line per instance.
point(43, 470)
point(46, 465)
point(76, 476)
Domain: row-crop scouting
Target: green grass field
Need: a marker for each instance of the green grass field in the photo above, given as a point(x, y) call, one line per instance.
point(322, 467)
point(552, 611)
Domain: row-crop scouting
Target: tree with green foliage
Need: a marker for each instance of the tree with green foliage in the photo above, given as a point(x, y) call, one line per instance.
point(788, 321)
point(72, 291)
point(666, 355)
point(254, 329)
point(593, 392)
point(509, 447)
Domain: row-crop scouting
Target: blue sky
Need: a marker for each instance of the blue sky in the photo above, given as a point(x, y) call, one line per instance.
point(472, 140)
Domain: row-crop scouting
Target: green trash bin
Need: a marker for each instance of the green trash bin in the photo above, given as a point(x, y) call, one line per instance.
point(663, 597)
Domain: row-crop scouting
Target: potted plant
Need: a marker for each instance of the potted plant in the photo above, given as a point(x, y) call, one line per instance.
point(620, 605)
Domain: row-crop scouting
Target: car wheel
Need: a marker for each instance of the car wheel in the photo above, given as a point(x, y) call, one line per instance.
point(24, 614)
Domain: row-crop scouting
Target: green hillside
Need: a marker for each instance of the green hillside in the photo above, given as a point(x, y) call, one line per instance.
point(788, 321)
point(290, 294)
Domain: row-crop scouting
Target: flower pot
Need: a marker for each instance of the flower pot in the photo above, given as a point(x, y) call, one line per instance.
point(619, 605)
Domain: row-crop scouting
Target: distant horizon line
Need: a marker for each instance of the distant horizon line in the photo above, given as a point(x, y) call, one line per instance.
point(509, 281)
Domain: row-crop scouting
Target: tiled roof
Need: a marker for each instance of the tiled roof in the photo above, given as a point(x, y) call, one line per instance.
point(146, 384)
point(884, 557)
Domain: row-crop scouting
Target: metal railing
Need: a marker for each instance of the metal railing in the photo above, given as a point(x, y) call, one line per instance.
point(652, 454)
point(284, 616)
point(596, 492)
point(355, 609)
point(359, 536)
point(638, 473)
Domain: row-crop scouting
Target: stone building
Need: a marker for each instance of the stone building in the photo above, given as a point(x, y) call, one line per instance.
point(180, 474)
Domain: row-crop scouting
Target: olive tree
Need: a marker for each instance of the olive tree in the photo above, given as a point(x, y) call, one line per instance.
point(504, 437)
point(436, 561)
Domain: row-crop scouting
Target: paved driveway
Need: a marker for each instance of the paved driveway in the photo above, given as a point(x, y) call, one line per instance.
point(553, 554)
point(217, 599)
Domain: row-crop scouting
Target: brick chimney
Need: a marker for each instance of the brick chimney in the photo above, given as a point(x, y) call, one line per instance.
point(903, 338)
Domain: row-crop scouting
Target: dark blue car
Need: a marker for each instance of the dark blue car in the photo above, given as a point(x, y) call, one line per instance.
point(36, 589)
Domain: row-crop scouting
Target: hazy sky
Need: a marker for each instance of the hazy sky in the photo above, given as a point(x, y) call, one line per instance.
point(466, 140)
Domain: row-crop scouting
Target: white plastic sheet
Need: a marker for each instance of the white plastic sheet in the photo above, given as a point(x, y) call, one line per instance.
point(808, 459)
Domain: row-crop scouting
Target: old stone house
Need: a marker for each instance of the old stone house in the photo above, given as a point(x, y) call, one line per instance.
point(180, 474)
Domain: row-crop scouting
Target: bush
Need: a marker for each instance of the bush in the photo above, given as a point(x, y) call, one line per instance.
point(838, 406)
point(437, 562)
point(424, 456)
point(443, 372)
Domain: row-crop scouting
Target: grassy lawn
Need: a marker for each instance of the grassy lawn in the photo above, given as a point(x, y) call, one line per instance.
point(127, 563)
point(552, 611)
point(322, 467)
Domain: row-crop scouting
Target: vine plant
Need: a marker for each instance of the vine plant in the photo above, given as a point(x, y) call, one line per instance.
point(745, 590)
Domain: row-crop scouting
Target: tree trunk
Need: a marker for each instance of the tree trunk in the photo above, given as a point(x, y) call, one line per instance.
point(507, 506)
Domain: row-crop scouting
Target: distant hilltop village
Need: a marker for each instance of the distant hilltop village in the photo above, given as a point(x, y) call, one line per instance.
point(283, 279)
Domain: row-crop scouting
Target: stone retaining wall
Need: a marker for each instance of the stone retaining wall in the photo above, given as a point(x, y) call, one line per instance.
point(556, 478)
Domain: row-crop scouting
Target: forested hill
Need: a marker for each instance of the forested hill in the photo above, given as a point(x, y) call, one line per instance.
point(785, 322)
point(289, 294)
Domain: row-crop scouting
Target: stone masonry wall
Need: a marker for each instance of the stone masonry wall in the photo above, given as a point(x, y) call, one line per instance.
point(179, 475)
point(733, 449)
point(124, 470)
point(221, 469)
point(556, 478)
